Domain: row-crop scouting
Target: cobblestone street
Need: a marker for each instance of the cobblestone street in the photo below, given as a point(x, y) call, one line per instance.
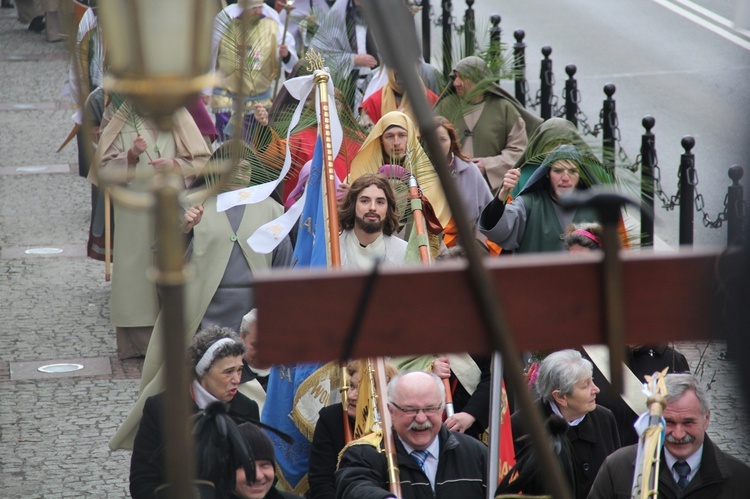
point(54, 428)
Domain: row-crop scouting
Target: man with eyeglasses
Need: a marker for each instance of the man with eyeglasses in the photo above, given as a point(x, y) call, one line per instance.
point(692, 466)
point(433, 461)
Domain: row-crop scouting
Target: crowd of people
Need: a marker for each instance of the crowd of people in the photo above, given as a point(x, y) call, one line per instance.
point(511, 169)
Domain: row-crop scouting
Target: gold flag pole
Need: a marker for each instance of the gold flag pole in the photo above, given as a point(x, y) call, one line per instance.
point(330, 206)
point(646, 481)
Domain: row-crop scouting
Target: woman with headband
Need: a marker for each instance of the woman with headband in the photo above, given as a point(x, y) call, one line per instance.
point(215, 357)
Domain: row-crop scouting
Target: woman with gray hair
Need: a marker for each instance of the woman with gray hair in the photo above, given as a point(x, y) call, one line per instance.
point(566, 390)
point(215, 357)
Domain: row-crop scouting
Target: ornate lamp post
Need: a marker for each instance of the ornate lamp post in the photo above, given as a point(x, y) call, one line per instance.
point(158, 53)
point(159, 56)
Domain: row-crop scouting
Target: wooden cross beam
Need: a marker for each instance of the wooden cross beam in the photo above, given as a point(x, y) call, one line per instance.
point(551, 301)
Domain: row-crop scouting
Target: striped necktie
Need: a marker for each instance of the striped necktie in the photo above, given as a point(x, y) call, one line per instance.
point(420, 456)
point(683, 470)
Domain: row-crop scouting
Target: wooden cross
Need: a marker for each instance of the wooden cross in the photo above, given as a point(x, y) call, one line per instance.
point(551, 301)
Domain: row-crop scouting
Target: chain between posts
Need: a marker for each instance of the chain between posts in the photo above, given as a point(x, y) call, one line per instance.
point(670, 202)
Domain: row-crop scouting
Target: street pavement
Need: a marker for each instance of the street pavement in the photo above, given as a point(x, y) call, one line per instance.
point(54, 429)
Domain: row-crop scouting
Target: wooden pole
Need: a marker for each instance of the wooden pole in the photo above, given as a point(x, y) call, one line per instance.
point(419, 223)
point(288, 6)
point(107, 236)
point(348, 435)
point(496, 415)
point(389, 444)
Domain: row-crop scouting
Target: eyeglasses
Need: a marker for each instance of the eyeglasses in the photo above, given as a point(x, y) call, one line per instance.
point(413, 412)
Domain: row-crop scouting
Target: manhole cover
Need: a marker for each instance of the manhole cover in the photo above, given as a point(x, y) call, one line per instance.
point(31, 169)
point(60, 368)
point(43, 251)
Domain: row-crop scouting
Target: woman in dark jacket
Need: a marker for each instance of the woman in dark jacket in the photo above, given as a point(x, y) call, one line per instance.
point(216, 358)
point(567, 390)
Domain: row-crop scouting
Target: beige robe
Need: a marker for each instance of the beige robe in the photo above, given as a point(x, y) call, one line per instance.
point(212, 246)
point(134, 301)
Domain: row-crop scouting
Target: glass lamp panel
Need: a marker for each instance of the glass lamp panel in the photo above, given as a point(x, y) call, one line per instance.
point(118, 27)
point(203, 33)
point(166, 31)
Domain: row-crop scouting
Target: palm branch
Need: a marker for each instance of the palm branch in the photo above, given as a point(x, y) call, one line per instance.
point(130, 114)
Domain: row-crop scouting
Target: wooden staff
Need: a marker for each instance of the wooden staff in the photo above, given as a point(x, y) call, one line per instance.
point(389, 444)
point(424, 254)
point(288, 7)
point(449, 411)
point(107, 235)
point(419, 222)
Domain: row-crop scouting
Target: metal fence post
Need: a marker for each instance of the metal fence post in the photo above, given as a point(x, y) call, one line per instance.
point(519, 66)
point(687, 191)
point(469, 28)
point(571, 95)
point(609, 123)
point(426, 53)
point(547, 81)
point(447, 41)
point(648, 160)
point(735, 207)
point(495, 33)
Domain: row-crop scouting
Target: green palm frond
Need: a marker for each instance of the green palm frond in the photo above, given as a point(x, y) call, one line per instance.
point(250, 170)
point(121, 103)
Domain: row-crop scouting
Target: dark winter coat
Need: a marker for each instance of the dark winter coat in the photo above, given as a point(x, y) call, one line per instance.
point(592, 441)
point(461, 472)
point(147, 462)
point(327, 443)
point(720, 476)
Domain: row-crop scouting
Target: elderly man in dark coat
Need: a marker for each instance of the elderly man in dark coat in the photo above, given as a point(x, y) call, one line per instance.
point(692, 466)
point(433, 461)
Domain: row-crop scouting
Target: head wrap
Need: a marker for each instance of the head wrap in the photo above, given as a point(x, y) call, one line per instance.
point(388, 96)
point(539, 179)
point(370, 159)
point(208, 358)
point(473, 68)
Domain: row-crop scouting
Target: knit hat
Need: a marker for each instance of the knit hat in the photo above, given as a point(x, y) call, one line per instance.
point(259, 445)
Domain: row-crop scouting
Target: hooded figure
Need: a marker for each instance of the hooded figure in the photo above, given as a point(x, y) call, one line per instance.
point(552, 133)
point(491, 124)
point(372, 156)
point(534, 221)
